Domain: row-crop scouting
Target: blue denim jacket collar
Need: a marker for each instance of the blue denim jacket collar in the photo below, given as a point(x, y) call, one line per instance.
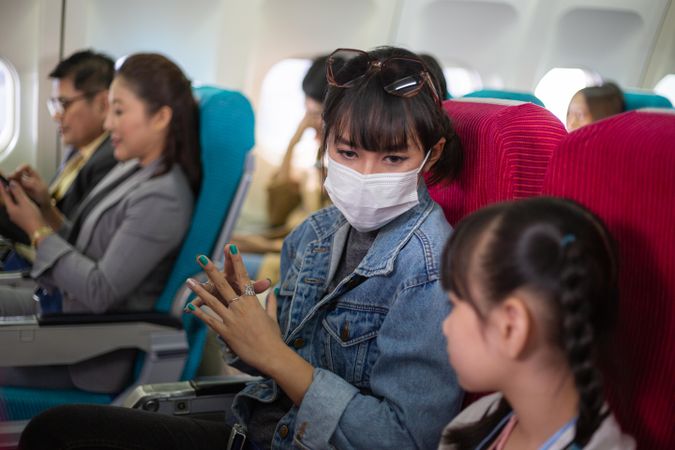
point(391, 238)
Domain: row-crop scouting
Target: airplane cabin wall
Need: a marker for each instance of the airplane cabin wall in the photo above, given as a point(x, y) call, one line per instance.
point(31, 45)
point(662, 61)
point(233, 43)
point(513, 43)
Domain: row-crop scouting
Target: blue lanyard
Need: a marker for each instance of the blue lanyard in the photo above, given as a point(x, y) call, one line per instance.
point(545, 446)
point(496, 430)
point(552, 440)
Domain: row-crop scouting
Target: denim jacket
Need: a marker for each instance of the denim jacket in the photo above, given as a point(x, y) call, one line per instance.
point(381, 373)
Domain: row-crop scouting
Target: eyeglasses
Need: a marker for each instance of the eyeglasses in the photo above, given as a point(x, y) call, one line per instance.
point(59, 105)
point(401, 76)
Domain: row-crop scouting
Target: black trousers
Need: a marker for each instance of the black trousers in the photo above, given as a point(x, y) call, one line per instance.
point(107, 427)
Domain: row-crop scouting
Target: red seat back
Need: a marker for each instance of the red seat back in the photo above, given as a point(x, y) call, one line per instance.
point(507, 147)
point(623, 169)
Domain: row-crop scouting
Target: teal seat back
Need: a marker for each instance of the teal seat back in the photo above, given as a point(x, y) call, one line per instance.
point(507, 95)
point(226, 136)
point(226, 125)
point(637, 100)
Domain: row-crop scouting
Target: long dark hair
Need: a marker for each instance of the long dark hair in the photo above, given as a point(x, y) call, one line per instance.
point(561, 251)
point(158, 81)
point(378, 121)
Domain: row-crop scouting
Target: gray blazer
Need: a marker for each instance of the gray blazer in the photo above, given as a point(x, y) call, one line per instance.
point(122, 257)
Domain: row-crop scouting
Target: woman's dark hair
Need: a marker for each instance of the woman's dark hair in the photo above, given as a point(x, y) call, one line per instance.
point(436, 72)
point(563, 253)
point(159, 82)
point(314, 84)
point(603, 101)
point(378, 121)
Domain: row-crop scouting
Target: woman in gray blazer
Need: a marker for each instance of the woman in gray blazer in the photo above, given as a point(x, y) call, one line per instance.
point(118, 250)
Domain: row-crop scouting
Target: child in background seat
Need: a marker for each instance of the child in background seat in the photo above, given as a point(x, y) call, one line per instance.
point(533, 285)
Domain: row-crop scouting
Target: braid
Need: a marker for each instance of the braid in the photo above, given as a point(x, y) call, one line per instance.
point(578, 339)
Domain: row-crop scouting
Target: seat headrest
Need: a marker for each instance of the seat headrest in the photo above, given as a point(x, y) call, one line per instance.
point(506, 152)
point(507, 95)
point(636, 100)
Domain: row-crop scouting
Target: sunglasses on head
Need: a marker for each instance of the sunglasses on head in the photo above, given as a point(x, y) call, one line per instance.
point(401, 76)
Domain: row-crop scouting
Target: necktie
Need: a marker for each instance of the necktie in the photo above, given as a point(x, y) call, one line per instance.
point(62, 183)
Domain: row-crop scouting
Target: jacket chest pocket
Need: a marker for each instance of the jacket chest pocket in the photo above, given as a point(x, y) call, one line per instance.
point(350, 343)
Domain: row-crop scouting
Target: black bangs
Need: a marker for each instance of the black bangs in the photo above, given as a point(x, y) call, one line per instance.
point(371, 119)
point(458, 254)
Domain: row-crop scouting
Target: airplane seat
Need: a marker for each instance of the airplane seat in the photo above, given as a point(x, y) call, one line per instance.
point(641, 99)
point(226, 136)
point(623, 169)
point(507, 95)
point(507, 146)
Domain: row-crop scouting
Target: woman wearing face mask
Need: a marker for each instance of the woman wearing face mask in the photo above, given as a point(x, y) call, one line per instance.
point(350, 341)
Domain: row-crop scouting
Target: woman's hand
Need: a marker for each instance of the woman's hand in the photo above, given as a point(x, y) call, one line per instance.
point(21, 209)
point(249, 330)
point(33, 185)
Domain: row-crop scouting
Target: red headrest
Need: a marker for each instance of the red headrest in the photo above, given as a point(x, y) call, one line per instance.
point(623, 169)
point(506, 152)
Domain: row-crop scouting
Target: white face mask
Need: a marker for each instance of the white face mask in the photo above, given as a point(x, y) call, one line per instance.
point(370, 201)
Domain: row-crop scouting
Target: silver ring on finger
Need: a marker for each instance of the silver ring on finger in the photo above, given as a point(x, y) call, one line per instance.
point(248, 289)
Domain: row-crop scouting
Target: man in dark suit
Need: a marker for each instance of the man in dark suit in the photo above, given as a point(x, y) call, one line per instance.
point(79, 105)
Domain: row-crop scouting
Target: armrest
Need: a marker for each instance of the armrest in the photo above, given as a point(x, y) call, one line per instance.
point(29, 342)
point(16, 278)
point(156, 318)
point(202, 397)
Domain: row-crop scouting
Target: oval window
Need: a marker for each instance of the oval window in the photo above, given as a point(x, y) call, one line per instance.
point(9, 106)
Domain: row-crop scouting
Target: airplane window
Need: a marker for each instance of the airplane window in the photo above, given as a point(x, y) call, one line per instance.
point(559, 85)
point(666, 87)
point(281, 108)
point(8, 106)
point(461, 81)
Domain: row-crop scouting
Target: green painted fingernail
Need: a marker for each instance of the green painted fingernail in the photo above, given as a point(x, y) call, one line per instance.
point(276, 292)
point(233, 249)
point(203, 259)
point(191, 307)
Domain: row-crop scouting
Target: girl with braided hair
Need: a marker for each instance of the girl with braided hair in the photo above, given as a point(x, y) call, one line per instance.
point(533, 285)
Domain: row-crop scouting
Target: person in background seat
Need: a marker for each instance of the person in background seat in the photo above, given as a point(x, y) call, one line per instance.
point(118, 250)
point(291, 197)
point(593, 103)
point(79, 105)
